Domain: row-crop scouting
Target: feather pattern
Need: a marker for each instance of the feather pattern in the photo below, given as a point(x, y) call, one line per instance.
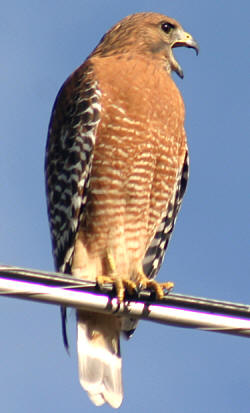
point(157, 248)
point(116, 172)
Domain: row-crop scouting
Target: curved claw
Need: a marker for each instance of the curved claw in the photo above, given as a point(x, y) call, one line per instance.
point(119, 283)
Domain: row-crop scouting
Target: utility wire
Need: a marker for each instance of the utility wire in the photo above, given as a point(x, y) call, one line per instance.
point(174, 309)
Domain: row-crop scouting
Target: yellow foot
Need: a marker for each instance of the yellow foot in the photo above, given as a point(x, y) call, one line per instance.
point(141, 281)
point(144, 282)
point(119, 283)
point(116, 279)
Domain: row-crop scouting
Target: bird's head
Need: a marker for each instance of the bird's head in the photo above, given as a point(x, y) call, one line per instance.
point(166, 35)
point(147, 34)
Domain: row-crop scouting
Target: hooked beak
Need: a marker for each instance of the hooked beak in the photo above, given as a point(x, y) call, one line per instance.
point(183, 39)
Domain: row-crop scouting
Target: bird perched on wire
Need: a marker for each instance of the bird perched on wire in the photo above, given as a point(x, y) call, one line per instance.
point(116, 173)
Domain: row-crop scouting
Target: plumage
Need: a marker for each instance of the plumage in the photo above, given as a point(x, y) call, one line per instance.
point(116, 172)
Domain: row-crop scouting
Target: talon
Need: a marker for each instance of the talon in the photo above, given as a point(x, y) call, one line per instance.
point(104, 279)
point(130, 285)
point(140, 281)
point(159, 288)
point(169, 285)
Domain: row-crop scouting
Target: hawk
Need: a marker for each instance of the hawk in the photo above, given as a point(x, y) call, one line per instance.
point(116, 172)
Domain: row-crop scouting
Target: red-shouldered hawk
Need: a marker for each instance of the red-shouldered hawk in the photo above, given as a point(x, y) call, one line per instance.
point(116, 171)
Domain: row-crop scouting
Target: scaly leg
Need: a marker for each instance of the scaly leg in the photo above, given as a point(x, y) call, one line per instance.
point(116, 279)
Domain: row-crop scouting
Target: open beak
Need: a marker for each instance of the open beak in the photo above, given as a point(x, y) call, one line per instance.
point(184, 39)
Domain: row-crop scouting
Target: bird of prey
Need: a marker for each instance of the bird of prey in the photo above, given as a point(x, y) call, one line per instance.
point(116, 173)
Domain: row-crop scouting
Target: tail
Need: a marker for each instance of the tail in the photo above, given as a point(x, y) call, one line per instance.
point(99, 358)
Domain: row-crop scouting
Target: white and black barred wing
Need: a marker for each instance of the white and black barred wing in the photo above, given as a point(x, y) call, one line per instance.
point(69, 154)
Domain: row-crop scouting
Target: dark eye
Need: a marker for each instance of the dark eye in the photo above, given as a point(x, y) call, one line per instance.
point(167, 27)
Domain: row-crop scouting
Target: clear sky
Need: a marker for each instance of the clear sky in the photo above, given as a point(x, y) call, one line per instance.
point(166, 369)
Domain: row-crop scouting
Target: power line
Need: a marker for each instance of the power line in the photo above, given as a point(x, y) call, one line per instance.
point(174, 309)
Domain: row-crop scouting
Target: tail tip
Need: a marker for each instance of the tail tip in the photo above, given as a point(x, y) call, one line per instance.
point(114, 400)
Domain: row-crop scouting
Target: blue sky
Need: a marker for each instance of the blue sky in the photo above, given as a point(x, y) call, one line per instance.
point(166, 369)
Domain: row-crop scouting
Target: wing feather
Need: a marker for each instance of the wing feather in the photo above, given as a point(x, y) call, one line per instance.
point(69, 153)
